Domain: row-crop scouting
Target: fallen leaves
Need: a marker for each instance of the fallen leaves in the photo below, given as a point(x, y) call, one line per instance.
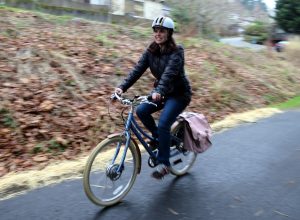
point(46, 106)
point(3, 171)
point(40, 158)
point(55, 81)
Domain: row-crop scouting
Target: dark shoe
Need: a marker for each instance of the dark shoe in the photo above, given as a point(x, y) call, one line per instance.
point(152, 145)
point(161, 171)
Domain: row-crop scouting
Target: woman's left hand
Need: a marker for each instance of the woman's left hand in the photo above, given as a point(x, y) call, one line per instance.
point(156, 97)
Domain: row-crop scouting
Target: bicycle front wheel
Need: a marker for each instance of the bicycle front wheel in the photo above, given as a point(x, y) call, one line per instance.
point(181, 159)
point(106, 179)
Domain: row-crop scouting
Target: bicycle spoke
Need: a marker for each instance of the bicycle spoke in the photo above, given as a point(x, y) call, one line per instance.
point(181, 160)
point(107, 179)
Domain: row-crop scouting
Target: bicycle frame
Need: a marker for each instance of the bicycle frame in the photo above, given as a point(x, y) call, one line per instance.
point(132, 125)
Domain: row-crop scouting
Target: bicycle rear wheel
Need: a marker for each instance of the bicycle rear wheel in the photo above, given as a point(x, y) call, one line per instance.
point(105, 180)
point(181, 159)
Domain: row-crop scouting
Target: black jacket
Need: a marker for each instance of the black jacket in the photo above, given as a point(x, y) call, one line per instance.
point(168, 69)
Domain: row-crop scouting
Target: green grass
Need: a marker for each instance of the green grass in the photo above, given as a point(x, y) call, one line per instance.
point(7, 8)
point(51, 146)
point(190, 42)
point(210, 67)
point(6, 118)
point(104, 41)
point(62, 19)
point(140, 33)
point(292, 103)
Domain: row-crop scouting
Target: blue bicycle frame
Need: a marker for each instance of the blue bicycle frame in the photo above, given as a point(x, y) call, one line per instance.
point(132, 125)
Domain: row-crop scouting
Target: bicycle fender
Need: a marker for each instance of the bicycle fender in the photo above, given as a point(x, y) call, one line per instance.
point(139, 155)
point(136, 147)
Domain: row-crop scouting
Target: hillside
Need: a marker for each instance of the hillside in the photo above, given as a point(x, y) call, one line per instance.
point(57, 74)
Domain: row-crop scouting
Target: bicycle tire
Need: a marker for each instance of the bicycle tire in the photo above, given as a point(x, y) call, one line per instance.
point(99, 167)
point(181, 159)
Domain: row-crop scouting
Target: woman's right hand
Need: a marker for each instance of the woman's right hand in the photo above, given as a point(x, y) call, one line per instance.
point(118, 91)
point(156, 97)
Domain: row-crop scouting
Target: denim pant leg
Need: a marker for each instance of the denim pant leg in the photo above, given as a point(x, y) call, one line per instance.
point(144, 112)
point(173, 107)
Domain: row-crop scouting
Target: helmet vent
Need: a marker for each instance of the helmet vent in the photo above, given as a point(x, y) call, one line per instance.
point(164, 22)
point(161, 20)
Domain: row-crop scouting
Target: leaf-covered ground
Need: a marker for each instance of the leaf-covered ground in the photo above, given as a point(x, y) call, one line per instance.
point(57, 73)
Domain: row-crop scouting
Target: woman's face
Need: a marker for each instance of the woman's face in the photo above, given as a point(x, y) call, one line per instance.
point(160, 35)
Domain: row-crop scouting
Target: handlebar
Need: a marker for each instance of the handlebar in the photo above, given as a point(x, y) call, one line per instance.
point(137, 98)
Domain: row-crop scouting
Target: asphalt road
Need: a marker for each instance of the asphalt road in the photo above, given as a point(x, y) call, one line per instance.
point(251, 172)
point(239, 42)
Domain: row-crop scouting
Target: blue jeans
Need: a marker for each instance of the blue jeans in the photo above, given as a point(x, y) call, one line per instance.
point(172, 107)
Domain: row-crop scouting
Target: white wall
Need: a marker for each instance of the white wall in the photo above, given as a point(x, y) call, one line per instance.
point(152, 9)
point(99, 2)
point(118, 7)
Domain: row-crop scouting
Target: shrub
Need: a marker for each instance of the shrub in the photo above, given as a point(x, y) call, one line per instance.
point(257, 32)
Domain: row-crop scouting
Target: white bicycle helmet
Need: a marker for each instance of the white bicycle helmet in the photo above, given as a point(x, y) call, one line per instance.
point(162, 21)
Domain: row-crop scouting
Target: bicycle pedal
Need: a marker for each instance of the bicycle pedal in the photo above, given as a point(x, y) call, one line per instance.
point(152, 162)
point(177, 161)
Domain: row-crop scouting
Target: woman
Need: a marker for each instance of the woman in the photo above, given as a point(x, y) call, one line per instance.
point(166, 62)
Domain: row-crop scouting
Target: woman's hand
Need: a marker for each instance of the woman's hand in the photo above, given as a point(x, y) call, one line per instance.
point(118, 91)
point(156, 96)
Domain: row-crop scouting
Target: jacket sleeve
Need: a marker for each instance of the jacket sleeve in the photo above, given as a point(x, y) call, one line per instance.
point(171, 73)
point(136, 72)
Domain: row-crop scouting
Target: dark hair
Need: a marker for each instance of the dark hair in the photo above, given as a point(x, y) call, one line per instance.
point(168, 47)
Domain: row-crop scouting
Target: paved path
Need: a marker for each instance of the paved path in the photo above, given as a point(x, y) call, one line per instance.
point(239, 42)
point(251, 172)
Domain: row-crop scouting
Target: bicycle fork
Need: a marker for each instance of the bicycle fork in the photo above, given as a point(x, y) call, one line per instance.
point(127, 136)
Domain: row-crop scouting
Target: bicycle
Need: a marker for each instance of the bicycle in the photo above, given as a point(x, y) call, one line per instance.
point(114, 164)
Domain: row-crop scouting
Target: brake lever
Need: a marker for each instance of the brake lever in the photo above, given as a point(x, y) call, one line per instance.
point(113, 97)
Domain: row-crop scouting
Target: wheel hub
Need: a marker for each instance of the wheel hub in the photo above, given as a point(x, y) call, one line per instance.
point(112, 172)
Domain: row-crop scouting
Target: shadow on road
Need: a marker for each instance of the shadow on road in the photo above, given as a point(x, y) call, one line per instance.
point(166, 201)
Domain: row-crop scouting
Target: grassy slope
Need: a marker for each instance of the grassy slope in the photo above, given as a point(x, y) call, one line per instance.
point(57, 72)
point(291, 103)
